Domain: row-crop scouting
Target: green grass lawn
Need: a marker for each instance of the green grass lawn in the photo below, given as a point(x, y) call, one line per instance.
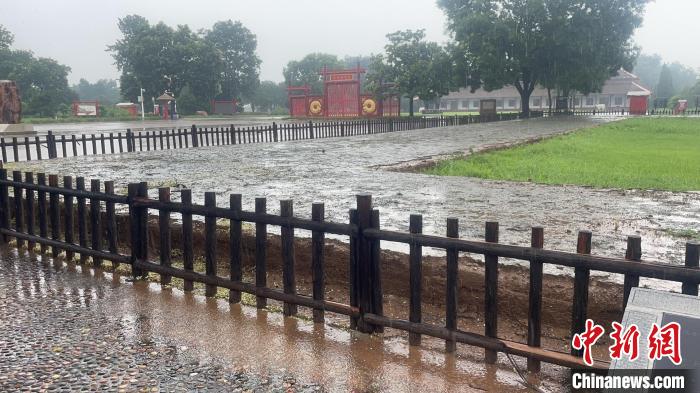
point(642, 153)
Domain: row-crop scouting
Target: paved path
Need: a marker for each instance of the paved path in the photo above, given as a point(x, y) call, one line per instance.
point(63, 328)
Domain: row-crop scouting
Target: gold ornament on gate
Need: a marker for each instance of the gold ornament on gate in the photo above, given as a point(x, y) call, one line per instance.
point(315, 107)
point(369, 106)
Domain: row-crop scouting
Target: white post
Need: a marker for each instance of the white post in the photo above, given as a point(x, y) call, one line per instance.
point(143, 113)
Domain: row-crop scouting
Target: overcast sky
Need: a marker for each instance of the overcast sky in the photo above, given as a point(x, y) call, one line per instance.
point(76, 32)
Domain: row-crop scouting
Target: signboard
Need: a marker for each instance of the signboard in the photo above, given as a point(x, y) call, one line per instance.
point(341, 77)
point(86, 108)
point(487, 109)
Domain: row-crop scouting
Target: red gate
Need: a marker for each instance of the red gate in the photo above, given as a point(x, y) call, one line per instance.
point(341, 92)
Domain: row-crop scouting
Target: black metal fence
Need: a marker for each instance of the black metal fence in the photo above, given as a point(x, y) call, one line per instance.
point(95, 214)
point(54, 146)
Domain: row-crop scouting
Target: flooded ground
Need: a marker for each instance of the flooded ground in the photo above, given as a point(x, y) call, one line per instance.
point(69, 328)
point(334, 170)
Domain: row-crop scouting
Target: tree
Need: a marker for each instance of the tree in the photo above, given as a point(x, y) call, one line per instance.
point(105, 91)
point(217, 62)
point(187, 103)
point(648, 68)
point(306, 71)
point(42, 82)
point(417, 68)
point(570, 45)
point(269, 96)
point(241, 66)
point(6, 38)
point(665, 87)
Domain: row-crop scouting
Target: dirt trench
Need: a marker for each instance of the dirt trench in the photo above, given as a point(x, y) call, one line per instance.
point(605, 298)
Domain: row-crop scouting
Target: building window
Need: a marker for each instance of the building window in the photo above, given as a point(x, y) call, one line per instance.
point(603, 100)
point(499, 103)
point(618, 101)
point(537, 102)
point(475, 103)
point(453, 105)
point(443, 104)
point(465, 104)
point(577, 101)
point(590, 101)
point(511, 103)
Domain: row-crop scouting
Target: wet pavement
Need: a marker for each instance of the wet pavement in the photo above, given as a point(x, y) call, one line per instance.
point(68, 328)
point(334, 170)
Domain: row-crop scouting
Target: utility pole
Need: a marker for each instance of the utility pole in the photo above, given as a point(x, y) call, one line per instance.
point(143, 113)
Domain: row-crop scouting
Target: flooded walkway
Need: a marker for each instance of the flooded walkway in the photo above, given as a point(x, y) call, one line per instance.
point(65, 328)
point(334, 170)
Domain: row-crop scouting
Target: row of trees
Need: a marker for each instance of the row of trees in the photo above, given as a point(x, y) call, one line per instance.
point(43, 82)
point(220, 62)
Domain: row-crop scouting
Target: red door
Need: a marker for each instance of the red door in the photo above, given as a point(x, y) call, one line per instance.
point(638, 105)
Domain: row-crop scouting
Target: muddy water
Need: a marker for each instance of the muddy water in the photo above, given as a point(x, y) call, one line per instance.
point(337, 359)
point(334, 170)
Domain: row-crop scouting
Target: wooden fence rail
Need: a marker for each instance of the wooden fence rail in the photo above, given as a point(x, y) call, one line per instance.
point(96, 216)
point(52, 146)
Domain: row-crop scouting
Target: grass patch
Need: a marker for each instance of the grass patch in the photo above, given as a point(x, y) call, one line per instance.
point(642, 153)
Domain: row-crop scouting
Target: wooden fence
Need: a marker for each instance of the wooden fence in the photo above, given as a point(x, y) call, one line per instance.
point(54, 146)
point(95, 212)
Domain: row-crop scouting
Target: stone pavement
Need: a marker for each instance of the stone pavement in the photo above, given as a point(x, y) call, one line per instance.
point(68, 328)
point(55, 337)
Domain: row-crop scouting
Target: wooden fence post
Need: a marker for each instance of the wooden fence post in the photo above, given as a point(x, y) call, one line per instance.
point(288, 262)
point(19, 213)
point(579, 310)
point(415, 277)
point(95, 221)
point(491, 292)
point(452, 284)
point(235, 257)
point(54, 220)
point(165, 238)
point(210, 242)
point(41, 202)
point(260, 252)
point(274, 131)
point(317, 260)
point(534, 320)
point(68, 214)
point(195, 140)
point(4, 205)
point(377, 294)
point(82, 220)
point(31, 214)
point(692, 260)
point(354, 286)
point(364, 261)
point(187, 252)
point(311, 129)
point(633, 254)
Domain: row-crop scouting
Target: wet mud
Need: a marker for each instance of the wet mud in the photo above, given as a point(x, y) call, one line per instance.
point(334, 170)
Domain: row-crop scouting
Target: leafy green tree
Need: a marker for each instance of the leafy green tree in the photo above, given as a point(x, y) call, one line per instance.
point(417, 68)
point(43, 82)
point(217, 62)
point(648, 68)
point(269, 96)
point(306, 71)
point(105, 91)
point(6, 38)
point(665, 87)
point(187, 103)
point(240, 64)
point(570, 45)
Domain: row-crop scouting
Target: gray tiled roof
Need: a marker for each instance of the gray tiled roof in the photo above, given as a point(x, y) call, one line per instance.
point(624, 83)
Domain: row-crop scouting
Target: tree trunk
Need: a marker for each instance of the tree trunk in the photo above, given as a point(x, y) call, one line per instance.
point(410, 106)
point(549, 98)
point(525, 103)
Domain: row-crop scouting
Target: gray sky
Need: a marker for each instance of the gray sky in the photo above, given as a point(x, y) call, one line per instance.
point(76, 32)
